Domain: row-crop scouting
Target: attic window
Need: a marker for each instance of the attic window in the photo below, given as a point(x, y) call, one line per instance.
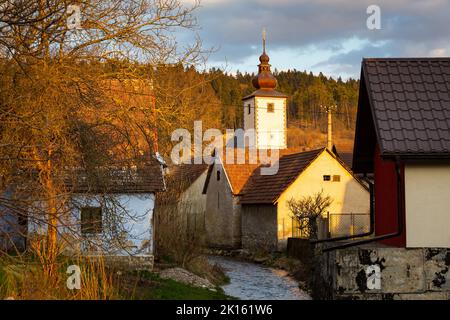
point(218, 175)
point(91, 220)
point(336, 178)
point(327, 177)
point(249, 109)
point(270, 107)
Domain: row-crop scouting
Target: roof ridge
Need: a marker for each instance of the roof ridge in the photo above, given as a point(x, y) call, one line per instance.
point(303, 152)
point(407, 59)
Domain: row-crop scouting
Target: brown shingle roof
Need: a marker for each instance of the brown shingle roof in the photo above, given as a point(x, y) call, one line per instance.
point(267, 188)
point(184, 175)
point(347, 157)
point(147, 179)
point(410, 103)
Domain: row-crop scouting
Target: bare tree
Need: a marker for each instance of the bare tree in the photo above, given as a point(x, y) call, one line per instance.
point(307, 210)
point(81, 98)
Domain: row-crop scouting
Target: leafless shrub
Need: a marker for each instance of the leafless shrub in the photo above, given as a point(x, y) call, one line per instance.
point(179, 233)
point(173, 238)
point(307, 210)
point(24, 278)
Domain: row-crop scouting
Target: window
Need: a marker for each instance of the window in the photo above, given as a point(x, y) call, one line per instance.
point(91, 220)
point(336, 178)
point(270, 107)
point(326, 177)
point(218, 175)
point(249, 109)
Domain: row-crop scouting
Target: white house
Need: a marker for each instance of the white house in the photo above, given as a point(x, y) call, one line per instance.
point(403, 139)
point(111, 213)
point(267, 221)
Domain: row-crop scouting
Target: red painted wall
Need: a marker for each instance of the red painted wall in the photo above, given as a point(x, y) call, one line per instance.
point(386, 201)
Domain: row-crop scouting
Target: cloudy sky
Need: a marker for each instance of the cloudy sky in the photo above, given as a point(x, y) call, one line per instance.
point(330, 36)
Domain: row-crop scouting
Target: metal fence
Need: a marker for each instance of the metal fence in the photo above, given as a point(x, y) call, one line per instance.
point(337, 225)
point(296, 232)
point(347, 224)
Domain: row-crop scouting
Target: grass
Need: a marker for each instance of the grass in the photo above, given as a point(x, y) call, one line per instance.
point(25, 278)
point(130, 286)
point(149, 286)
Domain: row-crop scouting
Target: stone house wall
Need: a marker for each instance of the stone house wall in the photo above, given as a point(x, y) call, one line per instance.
point(193, 204)
point(223, 213)
point(259, 227)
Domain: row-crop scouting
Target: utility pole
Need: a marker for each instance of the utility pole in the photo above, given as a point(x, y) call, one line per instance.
point(329, 110)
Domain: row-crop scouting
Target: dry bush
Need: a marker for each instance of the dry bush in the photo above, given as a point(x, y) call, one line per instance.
point(202, 267)
point(33, 275)
point(176, 237)
point(306, 212)
point(309, 139)
point(25, 278)
point(173, 239)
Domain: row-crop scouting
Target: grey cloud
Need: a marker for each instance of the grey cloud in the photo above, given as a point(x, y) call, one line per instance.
point(235, 26)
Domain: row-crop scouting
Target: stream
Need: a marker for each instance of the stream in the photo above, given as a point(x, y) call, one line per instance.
point(250, 281)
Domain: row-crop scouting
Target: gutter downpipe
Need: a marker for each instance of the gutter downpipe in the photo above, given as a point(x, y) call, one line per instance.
point(400, 214)
point(360, 235)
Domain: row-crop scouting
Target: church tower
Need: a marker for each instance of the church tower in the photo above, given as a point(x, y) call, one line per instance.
point(265, 108)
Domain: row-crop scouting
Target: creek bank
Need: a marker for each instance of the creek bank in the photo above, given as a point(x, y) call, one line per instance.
point(249, 280)
point(301, 271)
point(186, 277)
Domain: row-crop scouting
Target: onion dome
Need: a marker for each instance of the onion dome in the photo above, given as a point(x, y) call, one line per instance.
point(265, 79)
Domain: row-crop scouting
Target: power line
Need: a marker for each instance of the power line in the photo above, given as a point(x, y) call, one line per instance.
point(261, 107)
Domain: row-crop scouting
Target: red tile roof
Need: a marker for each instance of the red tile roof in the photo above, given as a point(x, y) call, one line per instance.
point(253, 188)
point(238, 174)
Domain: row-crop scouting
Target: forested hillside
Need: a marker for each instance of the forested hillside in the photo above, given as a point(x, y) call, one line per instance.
point(307, 92)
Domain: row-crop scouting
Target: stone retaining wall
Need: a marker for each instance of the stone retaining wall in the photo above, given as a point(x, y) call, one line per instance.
point(383, 273)
point(130, 262)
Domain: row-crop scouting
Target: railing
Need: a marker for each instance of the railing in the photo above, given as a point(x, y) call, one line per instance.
point(347, 224)
point(337, 225)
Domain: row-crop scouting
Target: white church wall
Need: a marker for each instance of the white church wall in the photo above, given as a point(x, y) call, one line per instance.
point(249, 114)
point(271, 126)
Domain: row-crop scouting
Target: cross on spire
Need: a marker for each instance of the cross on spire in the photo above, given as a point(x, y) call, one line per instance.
point(264, 39)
